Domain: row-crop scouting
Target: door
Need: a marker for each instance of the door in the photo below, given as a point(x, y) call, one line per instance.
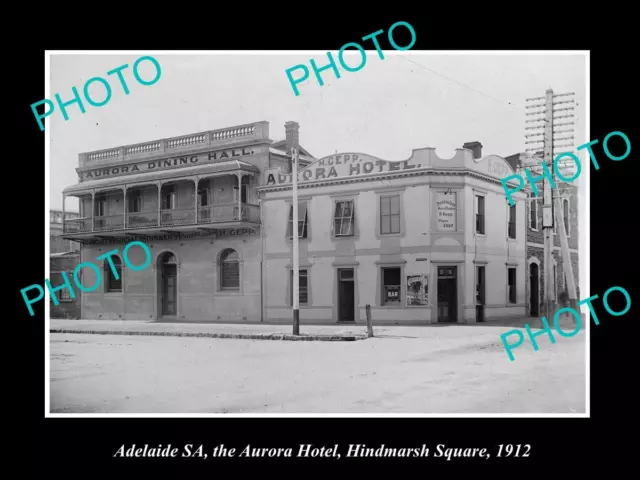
point(534, 291)
point(447, 295)
point(346, 295)
point(169, 290)
point(480, 301)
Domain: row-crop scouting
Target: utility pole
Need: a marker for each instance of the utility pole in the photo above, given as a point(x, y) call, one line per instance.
point(549, 144)
point(296, 256)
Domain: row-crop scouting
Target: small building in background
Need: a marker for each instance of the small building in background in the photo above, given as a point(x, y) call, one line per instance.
point(64, 256)
point(568, 194)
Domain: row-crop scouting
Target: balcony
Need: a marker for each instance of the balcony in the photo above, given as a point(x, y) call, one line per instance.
point(183, 219)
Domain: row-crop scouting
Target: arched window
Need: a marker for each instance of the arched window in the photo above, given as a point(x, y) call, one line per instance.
point(229, 270)
point(112, 284)
point(169, 259)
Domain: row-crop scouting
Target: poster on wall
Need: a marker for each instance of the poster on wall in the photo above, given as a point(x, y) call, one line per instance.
point(446, 206)
point(417, 290)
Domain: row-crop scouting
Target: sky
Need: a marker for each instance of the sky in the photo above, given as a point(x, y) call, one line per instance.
point(407, 100)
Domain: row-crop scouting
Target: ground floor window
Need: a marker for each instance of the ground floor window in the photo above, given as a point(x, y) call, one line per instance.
point(303, 287)
point(391, 285)
point(229, 270)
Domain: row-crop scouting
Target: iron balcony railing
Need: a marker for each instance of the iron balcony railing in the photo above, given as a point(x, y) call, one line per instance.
point(210, 214)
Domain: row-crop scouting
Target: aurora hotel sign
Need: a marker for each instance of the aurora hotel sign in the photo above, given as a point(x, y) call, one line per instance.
point(203, 158)
point(343, 165)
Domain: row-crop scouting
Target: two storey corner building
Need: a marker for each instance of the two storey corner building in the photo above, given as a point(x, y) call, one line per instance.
point(193, 201)
point(422, 241)
point(569, 201)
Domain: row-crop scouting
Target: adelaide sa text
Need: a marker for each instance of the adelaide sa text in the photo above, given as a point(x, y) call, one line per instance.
point(67, 284)
point(91, 98)
point(363, 57)
point(547, 174)
point(547, 329)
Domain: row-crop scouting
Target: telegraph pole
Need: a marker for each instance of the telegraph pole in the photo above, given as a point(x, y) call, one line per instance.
point(549, 138)
point(296, 259)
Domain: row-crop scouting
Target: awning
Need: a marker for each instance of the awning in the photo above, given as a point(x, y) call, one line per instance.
point(173, 173)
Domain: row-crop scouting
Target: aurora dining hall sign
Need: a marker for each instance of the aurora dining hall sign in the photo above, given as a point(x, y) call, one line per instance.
point(338, 166)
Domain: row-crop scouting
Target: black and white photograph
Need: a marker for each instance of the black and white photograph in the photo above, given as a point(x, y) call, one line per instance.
point(416, 264)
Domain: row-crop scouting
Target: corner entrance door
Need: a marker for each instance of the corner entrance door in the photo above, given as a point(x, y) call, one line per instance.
point(447, 295)
point(346, 295)
point(534, 292)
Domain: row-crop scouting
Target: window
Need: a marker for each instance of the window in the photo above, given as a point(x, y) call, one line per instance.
point(303, 287)
point(229, 270)
point(64, 295)
point(243, 191)
point(533, 210)
point(302, 220)
point(390, 214)
point(101, 206)
point(203, 197)
point(480, 214)
point(113, 284)
point(135, 201)
point(391, 286)
point(343, 219)
point(169, 198)
point(512, 221)
point(512, 285)
point(57, 278)
point(565, 214)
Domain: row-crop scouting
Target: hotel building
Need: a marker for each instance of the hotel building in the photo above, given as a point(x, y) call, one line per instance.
point(422, 240)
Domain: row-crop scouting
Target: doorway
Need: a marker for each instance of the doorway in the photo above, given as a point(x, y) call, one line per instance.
point(534, 290)
point(346, 295)
point(480, 300)
point(168, 285)
point(447, 295)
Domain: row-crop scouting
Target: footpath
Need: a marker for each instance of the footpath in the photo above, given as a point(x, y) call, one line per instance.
point(262, 331)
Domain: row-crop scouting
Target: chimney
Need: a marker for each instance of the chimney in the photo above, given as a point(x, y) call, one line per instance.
point(475, 147)
point(292, 138)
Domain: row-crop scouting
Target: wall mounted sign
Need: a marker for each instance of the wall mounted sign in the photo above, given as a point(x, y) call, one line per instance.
point(222, 233)
point(338, 166)
point(446, 208)
point(164, 164)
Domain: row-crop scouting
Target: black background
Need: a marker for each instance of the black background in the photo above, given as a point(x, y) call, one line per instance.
point(84, 448)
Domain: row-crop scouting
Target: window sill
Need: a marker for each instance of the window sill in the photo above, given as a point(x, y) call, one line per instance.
point(345, 237)
point(480, 235)
point(388, 235)
point(232, 293)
